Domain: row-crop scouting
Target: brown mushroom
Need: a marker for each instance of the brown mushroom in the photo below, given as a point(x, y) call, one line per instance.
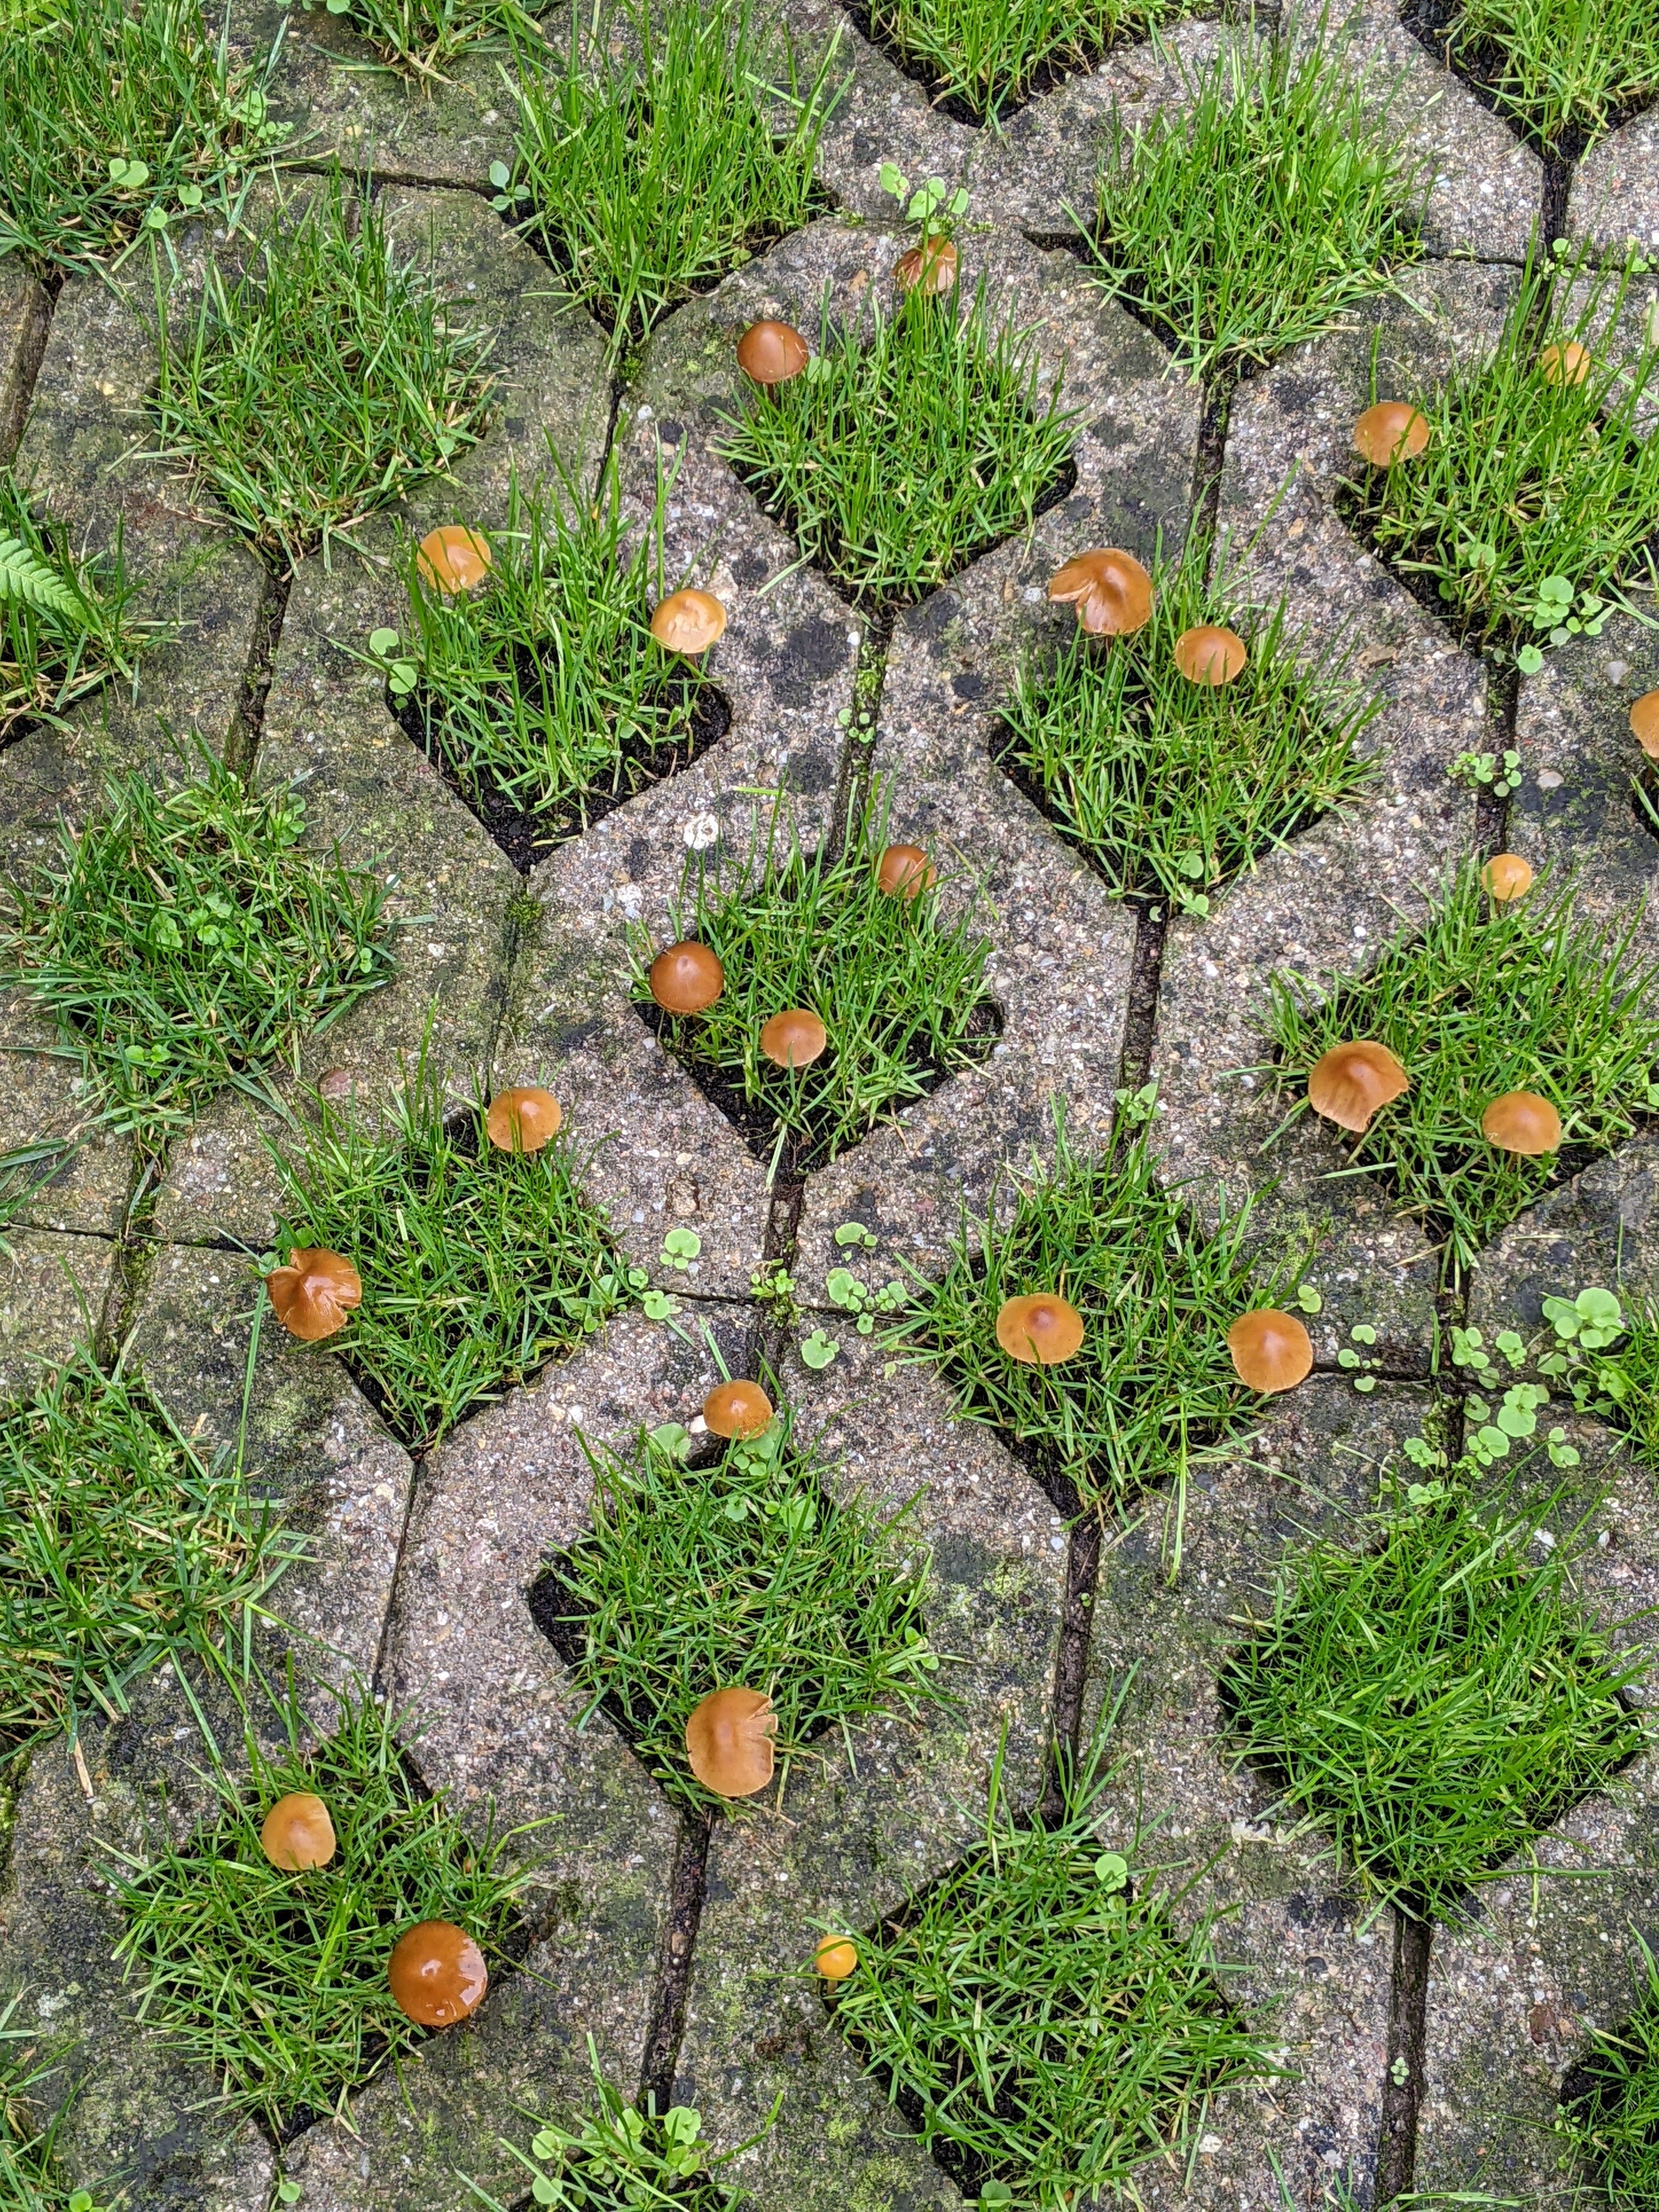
point(1271, 1351)
point(1521, 1122)
point(523, 1119)
point(1039, 1328)
point(771, 352)
point(1390, 432)
point(687, 978)
point(836, 1957)
point(1506, 876)
point(437, 1974)
point(931, 269)
point(1565, 364)
point(453, 559)
point(1645, 723)
point(313, 1295)
point(903, 871)
point(738, 1409)
point(729, 1742)
point(1349, 1083)
point(297, 1832)
point(1210, 654)
point(1110, 590)
point(794, 1038)
point(688, 622)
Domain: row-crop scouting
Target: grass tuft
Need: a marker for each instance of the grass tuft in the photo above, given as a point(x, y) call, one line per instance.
point(991, 55)
point(617, 2158)
point(31, 2172)
point(422, 37)
point(1610, 2105)
point(65, 629)
point(1560, 67)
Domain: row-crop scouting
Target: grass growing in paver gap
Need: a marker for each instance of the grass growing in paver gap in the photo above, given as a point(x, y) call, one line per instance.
point(991, 55)
point(743, 1571)
point(914, 440)
point(1257, 216)
point(1610, 2105)
point(1564, 70)
point(1480, 1000)
point(424, 36)
point(31, 2174)
point(322, 382)
point(1432, 1695)
point(277, 1982)
point(649, 166)
point(65, 630)
point(116, 118)
point(1171, 787)
point(617, 2158)
point(188, 939)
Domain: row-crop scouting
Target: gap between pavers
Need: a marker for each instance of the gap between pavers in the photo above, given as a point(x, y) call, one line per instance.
point(1614, 203)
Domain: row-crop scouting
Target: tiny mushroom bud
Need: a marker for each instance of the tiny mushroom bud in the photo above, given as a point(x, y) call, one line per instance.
point(1565, 364)
point(1349, 1083)
point(1271, 1351)
point(1110, 590)
point(771, 352)
point(310, 1296)
point(1039, 1328)
point(1645, 723)
point(738, 1409)
point(453, 560)
point(729, 1742)
point(1390, 432)
point(688, 622)
point(1506, 876)
point(794, 1038)
point(687, 978)
point(836, 1957)
point(1210, 654)
point(931, 269)
point(904, 870)
point(437, 1974)
point(523, 1119)
point(298, 1832)
point(1521, 1122)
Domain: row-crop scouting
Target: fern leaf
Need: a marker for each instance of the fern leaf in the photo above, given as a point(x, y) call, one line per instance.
point(24, 575)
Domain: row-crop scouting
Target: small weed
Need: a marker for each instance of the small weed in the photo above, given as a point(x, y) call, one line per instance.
point(619, 2158)
point(1610, 2105)
point(993, 54)
point(1497, 773)
point(1606, 1353)
point(64, 627)
point(1560, 66)
point(422, 37)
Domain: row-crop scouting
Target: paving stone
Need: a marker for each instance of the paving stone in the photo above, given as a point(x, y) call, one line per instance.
point(1599, 1228)
point(1615, 189)
point(53, 1293)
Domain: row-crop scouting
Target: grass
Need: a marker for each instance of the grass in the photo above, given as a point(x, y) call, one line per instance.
point(741, 1571)
point(1480, 1001)
point(1260, 214)
point(912, 442)
point(1433, 1697)
point(322, 383)
point(277, 1982)
point(1612, 2123)
point(898, 985)
point(1560, 66)
point(650, 165)
point(30, 2178)
point(422, 37)
point(187, 940)
point(65, 628)
point(117, 119)
point(117, 1545)
point(478, 1266)
point(1171, 788)
point(991, 55)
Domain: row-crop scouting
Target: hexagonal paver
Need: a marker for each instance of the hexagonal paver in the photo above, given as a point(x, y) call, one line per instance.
point(1615, 189)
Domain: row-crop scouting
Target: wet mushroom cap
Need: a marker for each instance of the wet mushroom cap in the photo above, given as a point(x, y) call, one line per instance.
point(794, 1038)
point(1271, 1351)
point(523, 1119)
point(688, 622)
point(297, 1832)
point(738, 1409)
point(931, 268)
point(687, 978)
point(437, 1974)
point(836, 1957)
point(1645, 723)
point(771, 352)
point(1110, 590)
point(1390, 432)
point(312, 1296)
point(1565, 364)
point(1349, 1083)
point(1506, 876)
point(1041, 1328)
point(904, 870)
point(453, 559)
point(729, 1742)
point(1521, 1122)
point(1210, 654)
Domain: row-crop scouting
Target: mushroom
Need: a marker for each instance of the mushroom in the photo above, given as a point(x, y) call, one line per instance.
point(297, 1832)
point(523, 1119)
point(1271, 1351)
point(769, 354)
point(1041, 1328)
point(1110, 590)
point(794, 1038)
point(1645, 723)
point(687, 978)
point(1565, 364)
point(836, 1957)
point(1390, 432)
point(437, 1974)
point(1349, 1083)
point(1521, 1122)
point(453, 559)
point(688, 622)
point(1506, 876)
point(903, 871)
point(737, 1409)
point(313, 1295)
point(931, 268)
point(1210, 654)
point(729, 1742)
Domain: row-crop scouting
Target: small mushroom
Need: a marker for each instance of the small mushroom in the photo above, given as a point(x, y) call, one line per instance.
point(688, 622)
point(1271, 1351)
point(729, 1742)
point(770, 354)
point(931, 269)
point(836, 1957)
point(1349, 1083)
point(523, 1119)
point(312, 1296)
point(794, 1038)
point(687, 978)
point(1110, 590)
point(297, 1832)
point(453, 559)
point(737, 1409)
point(1645, 723)
point(903, 871)
point(1521, 1122)
point(1506, 876)
point(1390, 432)
point(1039, 1328)
point(437, 1974)
point(1210, 654)
point(1565, 364)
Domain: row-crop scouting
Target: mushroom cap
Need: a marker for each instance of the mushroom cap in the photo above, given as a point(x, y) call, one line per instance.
point(1349, 1083)
point(737, 1409)
point(313, 1295)
point(1039, 1328)
point(1521, 1122)
point(687, 978)
point(1110, 590)
point(1645, 723)
point(836, 1957)
point(795, 1037)
point(523, 1119)
point(688, 622)
point(1389, 432)
point(437, 1974)
point(1210, 654)
point(1271, 1351)
point(771, 352)
point(297, 1831)
point(1565, 364)
point(904, 870)
point(729, 1742)
point(932, 268)
point(1506, 876)
point(453, 559)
